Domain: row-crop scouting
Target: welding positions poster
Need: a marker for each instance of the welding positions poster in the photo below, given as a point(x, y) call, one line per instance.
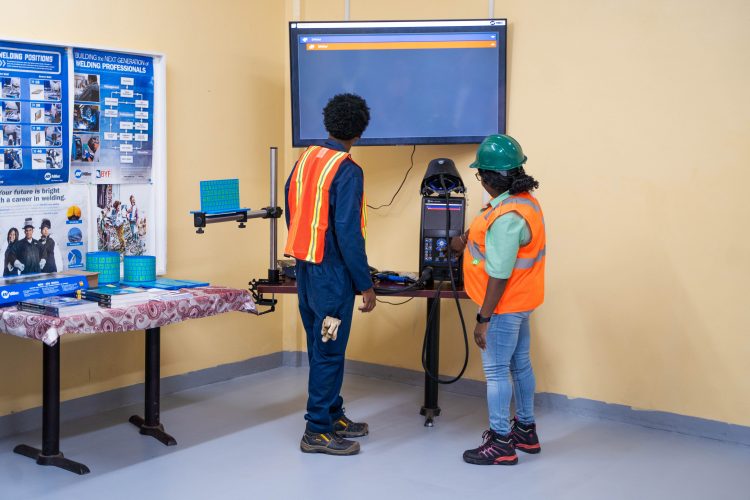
point(34, 122)
point(113, 122)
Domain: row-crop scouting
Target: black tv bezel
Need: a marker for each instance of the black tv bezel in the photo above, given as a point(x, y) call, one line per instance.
point(366, 141)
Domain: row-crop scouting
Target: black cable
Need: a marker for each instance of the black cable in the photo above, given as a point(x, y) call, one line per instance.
point(436, 377)
point(414, 148)
point(396, 303)
point(396, 291)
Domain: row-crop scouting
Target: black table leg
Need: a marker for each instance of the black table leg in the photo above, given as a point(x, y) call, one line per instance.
point(431, 409)
point(150, 426)
point(50, 453)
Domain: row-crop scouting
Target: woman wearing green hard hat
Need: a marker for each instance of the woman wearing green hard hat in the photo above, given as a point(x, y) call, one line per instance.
point(504, 256)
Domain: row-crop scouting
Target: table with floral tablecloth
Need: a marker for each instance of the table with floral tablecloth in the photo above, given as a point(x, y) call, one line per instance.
point(206, 301)
point(149, 316)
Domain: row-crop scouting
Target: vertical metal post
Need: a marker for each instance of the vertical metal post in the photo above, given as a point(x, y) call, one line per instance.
point(51, 400)
point(153, 375)
point(431, 409)
point(274, 181)
point(150, 424)
point(50, 454)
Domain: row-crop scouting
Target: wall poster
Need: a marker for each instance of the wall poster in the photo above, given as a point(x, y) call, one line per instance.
point(123, 219)
point(43, 228)
point(113, 117)
point(34, 121)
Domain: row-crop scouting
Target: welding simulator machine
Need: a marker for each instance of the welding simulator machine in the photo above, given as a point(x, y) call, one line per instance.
point(443, 216)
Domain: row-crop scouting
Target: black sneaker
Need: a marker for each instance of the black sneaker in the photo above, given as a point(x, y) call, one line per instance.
point(496, 450)
point(525, 437)
point(346, 428)
point(328, 443)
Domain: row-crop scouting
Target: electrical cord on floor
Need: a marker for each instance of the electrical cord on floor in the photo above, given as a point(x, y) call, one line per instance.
point(414, 149)
point(436, 377)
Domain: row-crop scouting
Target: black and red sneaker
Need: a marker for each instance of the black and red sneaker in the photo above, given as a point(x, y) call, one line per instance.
point(496, 450)
point(524, 437)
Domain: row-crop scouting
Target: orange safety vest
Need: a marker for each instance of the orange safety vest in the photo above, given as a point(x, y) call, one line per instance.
point(308, 201)
point(525, 288)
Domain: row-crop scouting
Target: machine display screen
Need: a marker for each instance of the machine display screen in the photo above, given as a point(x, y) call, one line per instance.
point(426, 82)
point(435, 216)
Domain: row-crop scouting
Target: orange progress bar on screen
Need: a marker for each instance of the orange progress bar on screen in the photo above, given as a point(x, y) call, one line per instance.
point(466, 44)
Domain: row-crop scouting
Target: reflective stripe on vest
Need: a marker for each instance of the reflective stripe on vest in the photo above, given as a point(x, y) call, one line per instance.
point(528, 263)
point(508, 201)
point(474, 251)
point(363, 211)
point(524, 290)
point(522, 201)
point(308, 201)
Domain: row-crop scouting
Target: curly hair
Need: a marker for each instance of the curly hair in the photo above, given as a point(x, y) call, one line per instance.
point(515, 181)
point(346, 116)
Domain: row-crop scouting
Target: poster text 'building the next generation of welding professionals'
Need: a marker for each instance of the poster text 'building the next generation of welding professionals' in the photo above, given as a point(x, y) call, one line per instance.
point(113, 117)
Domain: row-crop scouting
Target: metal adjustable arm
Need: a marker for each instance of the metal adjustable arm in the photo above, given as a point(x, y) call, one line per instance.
point(272, 212)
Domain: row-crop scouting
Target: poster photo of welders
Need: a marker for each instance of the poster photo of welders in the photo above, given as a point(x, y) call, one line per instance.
point(42, 229)
point(123, 219)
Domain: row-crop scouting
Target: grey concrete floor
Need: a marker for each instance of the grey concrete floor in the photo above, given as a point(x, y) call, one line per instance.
point(240, 439)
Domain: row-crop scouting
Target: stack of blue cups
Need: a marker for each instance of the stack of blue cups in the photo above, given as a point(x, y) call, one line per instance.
point(107, 264)
point(139, 268)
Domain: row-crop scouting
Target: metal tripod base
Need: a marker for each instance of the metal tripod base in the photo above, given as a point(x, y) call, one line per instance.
point(52, 460)
point(155, 431)
point(430, 413)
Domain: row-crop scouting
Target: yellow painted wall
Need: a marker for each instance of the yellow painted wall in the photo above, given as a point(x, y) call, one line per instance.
point(636, 121)
point(634, 116)
point(225, 65)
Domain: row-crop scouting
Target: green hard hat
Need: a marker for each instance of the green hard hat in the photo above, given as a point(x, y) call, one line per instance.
point(499, 152)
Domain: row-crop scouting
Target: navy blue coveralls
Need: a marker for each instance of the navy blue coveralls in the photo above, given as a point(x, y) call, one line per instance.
point(328, 289)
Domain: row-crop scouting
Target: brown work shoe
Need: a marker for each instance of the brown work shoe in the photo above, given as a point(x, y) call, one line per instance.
point(344, 427)
point(328, 443)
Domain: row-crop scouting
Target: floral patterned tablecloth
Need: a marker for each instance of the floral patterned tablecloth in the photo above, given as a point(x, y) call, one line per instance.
point(206, 301)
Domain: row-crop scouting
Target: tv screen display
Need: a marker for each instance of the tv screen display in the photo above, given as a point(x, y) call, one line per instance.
point(426, 82)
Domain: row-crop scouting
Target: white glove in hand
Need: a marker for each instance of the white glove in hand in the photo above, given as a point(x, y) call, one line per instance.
point(330, 328)
point(19, 265)
point(42, 263)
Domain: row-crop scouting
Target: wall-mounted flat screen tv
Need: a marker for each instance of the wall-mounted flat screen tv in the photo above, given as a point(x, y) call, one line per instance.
point(426, 82)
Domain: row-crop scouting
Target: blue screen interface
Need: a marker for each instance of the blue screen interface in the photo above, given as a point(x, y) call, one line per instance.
point(422, 88)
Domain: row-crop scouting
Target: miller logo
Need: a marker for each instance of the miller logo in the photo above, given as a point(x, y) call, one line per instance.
point(6, 294)
point(78, 174)
point(47, 176)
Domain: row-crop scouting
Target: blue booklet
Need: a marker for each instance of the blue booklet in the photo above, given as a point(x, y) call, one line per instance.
point(110, 290)
point(166, 284)
point(57, 306)
point(16, 288)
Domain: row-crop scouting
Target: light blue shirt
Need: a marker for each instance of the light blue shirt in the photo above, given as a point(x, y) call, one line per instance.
point(504, 237)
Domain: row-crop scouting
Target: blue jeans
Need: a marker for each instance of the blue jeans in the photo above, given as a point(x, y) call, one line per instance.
point(507, 353)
